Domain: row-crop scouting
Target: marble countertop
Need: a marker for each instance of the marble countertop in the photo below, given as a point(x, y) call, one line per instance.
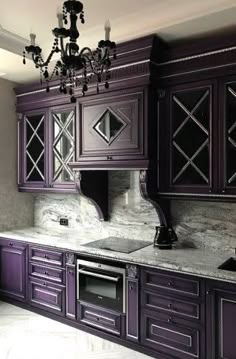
point(200, 262)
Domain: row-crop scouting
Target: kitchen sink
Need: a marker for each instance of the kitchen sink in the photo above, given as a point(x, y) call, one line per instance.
point(229, 265)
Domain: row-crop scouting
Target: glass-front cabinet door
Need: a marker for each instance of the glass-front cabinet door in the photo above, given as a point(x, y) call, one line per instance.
point(46, 144)
point(33, 149)
point(62, 146)
point(227, 152)
point(188, 150)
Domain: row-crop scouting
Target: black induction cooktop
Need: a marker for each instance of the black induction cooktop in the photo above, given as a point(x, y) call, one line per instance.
point(117, 244)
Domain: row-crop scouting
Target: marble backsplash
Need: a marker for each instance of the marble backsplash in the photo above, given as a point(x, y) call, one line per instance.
point(130, 215)
point(197, 224)
point(205, 224)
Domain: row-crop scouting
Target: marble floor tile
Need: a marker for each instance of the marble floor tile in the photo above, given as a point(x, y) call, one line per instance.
point(26, 335)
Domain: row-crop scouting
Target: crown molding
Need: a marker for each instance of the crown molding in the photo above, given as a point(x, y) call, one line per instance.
point(12, 42)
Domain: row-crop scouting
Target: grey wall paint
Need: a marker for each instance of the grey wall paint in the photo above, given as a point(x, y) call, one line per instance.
point(205, 224)
point(16, 209)
point(130, 215)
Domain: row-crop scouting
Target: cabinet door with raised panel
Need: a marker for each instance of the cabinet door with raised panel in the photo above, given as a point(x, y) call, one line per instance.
point(61, 146)
point(111, 127)
point(186, 141)
point(13, 270)
point(221, 326)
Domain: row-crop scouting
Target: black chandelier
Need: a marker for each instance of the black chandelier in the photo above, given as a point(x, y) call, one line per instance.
point(76, 67)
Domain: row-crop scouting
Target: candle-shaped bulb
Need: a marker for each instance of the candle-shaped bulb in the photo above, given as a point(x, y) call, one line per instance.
point(60, 20)
point(32, 39)
point(107, 30)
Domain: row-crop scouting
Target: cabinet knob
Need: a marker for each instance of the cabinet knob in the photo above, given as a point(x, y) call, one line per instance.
point(223, 191)
point(170, 283)
point(170, 320)
point(208, 292)
point(170, 306)
point(131, 287)
point(45, 256)
point(109, 157)
point(46, 273)
point(11, 244)
point(210, 191)
point(44, 283)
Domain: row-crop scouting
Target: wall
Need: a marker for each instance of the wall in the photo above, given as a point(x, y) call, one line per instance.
point(16, 209)
point(130, 215)
point(205, 224)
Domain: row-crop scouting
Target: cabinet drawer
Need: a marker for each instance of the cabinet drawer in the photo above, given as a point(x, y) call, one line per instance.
point(152, 300)
point(105, 320)
point(53, 274)
point(170, 335)
point(171, 283)
point(46, 256)
point(46, 295)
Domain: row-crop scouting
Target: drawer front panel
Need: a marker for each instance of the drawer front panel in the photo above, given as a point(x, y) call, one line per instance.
point(47, 257)
point(152, 300)
point(47, 295)
point(171, 283)
point(98, 318)
point(170, 335)
point(56, 275)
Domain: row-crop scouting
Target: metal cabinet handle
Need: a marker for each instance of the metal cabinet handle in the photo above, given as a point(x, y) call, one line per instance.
point(170, 320)
point(98, 275)
point(109, 157)
point(170, 283)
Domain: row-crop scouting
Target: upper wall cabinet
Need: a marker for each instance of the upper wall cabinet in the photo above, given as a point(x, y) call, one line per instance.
point(197, 126)
point(186, 139)
point(46, 146)
point(111, 131)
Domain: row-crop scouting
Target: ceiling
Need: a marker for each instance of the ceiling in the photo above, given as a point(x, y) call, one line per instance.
point(170, 19)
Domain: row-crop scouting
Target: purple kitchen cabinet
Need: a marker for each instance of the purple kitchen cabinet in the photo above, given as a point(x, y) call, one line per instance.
point(112, 127)
point(100, 318)
point(13, 271)
point(221, 320)
point(172, 314)
point(46, 143)
point(71, 299)
point(46, 295)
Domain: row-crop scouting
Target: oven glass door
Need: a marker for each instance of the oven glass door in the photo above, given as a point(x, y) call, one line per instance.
point(101, 288)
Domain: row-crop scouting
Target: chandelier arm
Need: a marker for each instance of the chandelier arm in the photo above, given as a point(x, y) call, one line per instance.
point(45, 63)
point(92, 60)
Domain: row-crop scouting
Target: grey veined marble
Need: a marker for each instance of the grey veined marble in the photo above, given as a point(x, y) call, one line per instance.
point(130, 215)
point(205, 224)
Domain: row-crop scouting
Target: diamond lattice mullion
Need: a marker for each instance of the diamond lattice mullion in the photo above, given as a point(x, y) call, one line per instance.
point(63, 165)
point(35, 163)
point(191, 113)
point(190, 161)
point(63, 128)
point(35, 130)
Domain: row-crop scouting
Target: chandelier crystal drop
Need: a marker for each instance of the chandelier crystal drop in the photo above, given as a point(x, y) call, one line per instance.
point(76, 67)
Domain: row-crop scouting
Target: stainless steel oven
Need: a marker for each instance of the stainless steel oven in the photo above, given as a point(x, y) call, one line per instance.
point(101, 284)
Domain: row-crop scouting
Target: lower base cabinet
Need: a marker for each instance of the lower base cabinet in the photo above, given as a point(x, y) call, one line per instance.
point(96, 317)
point(13, 272)
point(221, 320)
point(170, 335)
point(47, 296)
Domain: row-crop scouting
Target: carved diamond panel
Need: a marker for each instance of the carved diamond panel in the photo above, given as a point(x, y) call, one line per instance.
point(109, 126)
point(190, 137)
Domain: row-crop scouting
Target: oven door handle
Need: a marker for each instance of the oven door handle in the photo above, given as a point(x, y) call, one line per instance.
point(98, 275)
